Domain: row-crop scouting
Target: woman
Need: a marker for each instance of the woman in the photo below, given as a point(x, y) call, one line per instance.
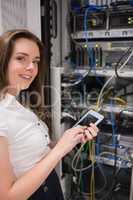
point(26, 160)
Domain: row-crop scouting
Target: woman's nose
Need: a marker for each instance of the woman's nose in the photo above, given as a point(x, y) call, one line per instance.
point(30, 66)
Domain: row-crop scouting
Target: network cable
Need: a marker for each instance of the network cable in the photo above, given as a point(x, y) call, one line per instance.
point(99, 101)
point(90, 51)
point(119, 61)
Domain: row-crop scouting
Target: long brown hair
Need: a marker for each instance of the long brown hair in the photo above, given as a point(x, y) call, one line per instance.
point(7, 41)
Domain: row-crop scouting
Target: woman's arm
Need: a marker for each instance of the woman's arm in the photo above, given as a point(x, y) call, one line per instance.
point(26, 185)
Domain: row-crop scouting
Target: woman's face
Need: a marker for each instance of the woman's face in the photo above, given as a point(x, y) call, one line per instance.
point(23, 65)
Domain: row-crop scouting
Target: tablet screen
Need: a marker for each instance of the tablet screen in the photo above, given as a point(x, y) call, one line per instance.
point(87, 120)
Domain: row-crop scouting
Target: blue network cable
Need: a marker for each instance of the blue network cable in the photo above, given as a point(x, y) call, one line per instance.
point(94, 67)
point(97, 146)
point(91, 9)
point(90, 52)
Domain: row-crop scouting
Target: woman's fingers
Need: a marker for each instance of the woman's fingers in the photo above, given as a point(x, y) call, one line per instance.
point(83, 133)
point(90, 132)
point(79, 129)
point(94, 127)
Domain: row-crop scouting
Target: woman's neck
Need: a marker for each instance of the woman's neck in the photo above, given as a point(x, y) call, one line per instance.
point(13, 92)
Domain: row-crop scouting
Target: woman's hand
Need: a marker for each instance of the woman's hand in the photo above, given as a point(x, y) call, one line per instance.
point(73, 136)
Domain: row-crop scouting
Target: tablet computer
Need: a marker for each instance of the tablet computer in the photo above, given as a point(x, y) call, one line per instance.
point(90, 117)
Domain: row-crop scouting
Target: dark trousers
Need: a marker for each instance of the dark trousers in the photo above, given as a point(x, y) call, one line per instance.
point(49, 190)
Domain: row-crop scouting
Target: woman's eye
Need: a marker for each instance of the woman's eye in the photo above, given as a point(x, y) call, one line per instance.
point(36, 62)
point(20, 58)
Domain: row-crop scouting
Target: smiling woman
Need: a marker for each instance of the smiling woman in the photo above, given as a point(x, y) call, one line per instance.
point(20, 50)
point(23, 65)
point(27, 161)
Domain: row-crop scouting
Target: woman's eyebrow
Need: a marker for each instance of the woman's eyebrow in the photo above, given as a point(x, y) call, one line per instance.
point(26, 54)
point(37, 57)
